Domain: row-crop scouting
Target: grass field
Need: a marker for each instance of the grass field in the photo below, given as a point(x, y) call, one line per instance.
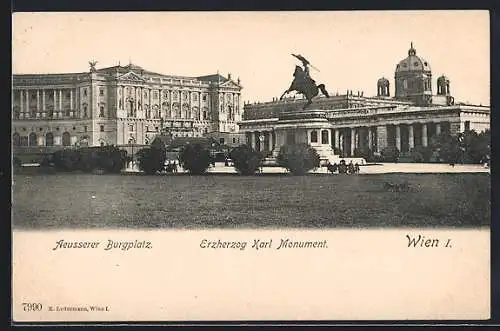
point(267, 201)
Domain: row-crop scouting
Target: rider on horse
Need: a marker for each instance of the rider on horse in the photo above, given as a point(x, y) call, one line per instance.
point(303, 83)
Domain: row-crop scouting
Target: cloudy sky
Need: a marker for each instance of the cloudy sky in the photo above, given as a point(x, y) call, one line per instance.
point(350, 49)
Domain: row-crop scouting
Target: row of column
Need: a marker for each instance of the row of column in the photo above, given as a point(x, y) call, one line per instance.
point(139, 100)
point(378, 137)
point(26, 111)
point(261, 140)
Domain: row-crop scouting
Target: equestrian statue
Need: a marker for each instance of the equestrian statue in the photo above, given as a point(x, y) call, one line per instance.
point(303, 83)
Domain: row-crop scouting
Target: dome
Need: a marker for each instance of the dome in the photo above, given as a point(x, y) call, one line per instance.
point(413, 62)
point(383, 81)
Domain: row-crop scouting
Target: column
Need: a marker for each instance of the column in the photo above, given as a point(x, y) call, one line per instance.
point(261, 142)
point(337, 138)
point(60, 101)
point(424, 134)
point(44, 106)
point(329, 137)
point(398, 137)
point(252, 139)
point(370, 138)
point(21, 107)
point(381, 137)
point(150, 101)
point(270, 140)
point(160, 95)
point(28, 110)
point(71, 108)
point(438, 129)
point(353, 140)
point(37, 103)
point(411, 140)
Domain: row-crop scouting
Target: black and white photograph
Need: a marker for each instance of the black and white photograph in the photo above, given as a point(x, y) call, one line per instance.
point(151, 149)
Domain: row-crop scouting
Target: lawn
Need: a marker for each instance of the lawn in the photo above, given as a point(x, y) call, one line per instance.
point(266, 201)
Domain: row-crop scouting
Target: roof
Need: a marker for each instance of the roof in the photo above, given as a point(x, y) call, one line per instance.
point(383, 80)
point(413, 62)
point(212, 78)
point(443, 78)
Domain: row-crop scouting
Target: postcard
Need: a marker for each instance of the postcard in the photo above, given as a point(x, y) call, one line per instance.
point(250, 166)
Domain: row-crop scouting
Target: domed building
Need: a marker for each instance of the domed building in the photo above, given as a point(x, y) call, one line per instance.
point(413, 79)
point(345, 125)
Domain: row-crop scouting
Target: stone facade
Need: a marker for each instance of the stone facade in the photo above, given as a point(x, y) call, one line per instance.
point(351, 122)
point(120, 105)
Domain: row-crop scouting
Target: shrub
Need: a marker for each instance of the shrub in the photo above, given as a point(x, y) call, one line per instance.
point(65, 160)
point(366, 153)
point(17, 162)
point(389, 154)
point(421, 154)
point(246, 160)
point(195, 158)
point(108, 158)
point(151, 160)
point(298, 158)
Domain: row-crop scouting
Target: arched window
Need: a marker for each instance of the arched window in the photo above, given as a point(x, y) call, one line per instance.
point(32, 139)
point(16, 139)
point(314, 136)
point(49, 139)
point(324, 136)
point(66, 139)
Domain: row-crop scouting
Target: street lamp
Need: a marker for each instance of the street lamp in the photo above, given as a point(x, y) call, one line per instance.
point(132, 142)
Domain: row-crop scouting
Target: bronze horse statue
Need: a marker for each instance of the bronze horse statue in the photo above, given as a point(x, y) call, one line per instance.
point(305, 85)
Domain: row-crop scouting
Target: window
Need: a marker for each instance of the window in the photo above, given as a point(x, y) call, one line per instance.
point(147, 128)
point(49, 139)
point(16, 139)
point(195, 96)
point(324, 137)
point(156, 128)
point(234, 140)
point(85, 128)
point(131, 127)
point(33, 139)
point(467, 125)
point(314, 136)
point(85, 111)
point(85, 92)
point(204, 97)
point(101, 111)
point(221, 141)
point(101, 91)
point(66, 139)
point(102, 128)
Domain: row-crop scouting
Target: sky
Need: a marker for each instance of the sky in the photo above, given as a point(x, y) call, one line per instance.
point(351, 49)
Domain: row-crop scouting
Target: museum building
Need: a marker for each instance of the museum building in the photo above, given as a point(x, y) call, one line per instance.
point(349, 122)
point(121, 105)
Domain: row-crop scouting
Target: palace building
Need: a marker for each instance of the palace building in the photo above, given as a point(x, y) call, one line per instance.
point(351, 122)
point(121, 105)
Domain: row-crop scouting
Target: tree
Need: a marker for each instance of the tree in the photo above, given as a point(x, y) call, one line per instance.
point(246, 160)
point(195, 158)
point(447, 148)
point(152, 159)
point(66, 160)
point(365, 152)
point(110, 159)
point(421, 154)
point(389, 154)
point(475, 147)
point(298, 158)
